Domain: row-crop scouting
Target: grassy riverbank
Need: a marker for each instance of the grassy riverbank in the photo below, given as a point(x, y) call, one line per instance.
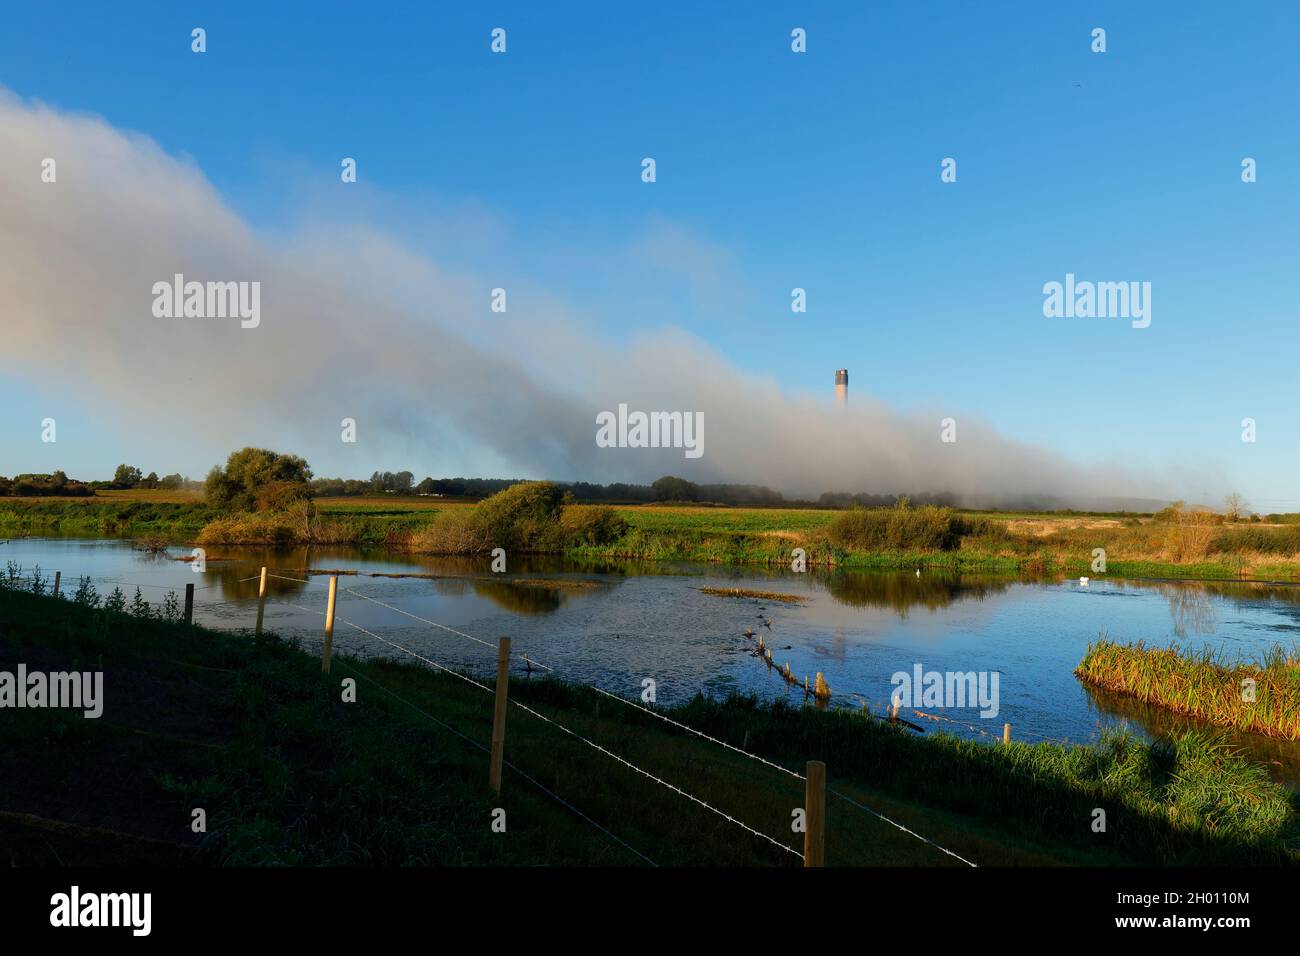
point(1179, 545)
point(251, 732)
point(1203, 684)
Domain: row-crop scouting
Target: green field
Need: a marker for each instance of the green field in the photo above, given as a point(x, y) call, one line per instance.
point(987, 542)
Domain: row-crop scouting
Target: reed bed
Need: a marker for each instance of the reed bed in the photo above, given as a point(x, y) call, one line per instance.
point(1203, 684)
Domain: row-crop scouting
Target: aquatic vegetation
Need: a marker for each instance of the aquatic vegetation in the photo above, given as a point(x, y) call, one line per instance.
point(751, 593)
point(1258, 696)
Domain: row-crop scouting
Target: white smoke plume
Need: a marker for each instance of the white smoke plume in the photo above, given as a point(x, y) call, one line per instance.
point(355, 324)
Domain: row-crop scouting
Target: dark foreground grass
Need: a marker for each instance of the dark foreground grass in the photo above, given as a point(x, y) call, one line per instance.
point(1203, 684)
point(253, 733)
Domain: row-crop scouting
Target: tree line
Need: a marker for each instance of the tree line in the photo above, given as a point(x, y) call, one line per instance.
point(259, 479)
point(668, 488)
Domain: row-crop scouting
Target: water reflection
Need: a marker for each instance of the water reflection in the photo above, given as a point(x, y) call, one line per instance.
point(523, 596)
point(1190, 607)
point(235, 574)
point(901, 591)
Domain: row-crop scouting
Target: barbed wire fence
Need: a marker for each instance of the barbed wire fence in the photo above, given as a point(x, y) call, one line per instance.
point(639, 707)
point(813, 778)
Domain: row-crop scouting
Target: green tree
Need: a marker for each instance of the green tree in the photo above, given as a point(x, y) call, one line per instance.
point(127, 476)
point(258, 478)
point(670, 488)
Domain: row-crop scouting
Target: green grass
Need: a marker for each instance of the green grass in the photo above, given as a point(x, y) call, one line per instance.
point(693, 518)
point(1203, 684)
point(102, 518)
point(251, 731)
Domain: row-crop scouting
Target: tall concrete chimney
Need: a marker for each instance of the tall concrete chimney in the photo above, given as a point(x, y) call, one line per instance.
point(842, 387)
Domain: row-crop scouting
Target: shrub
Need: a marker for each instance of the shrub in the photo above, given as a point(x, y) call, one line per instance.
point(519, 515)
point(457, 531)
point(270, 530)
point(1190, 533)
point(524, 517)
point(928, 528)
point(281, 495)
point(86, 594)
point(1264, 540)
point(592, 524)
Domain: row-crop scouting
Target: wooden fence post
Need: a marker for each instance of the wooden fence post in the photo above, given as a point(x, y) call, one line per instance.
point(189, 603)
point(497, 753)
point(261, 602)
point(814, 834)
point(58, 576)
point(329, 626)
point(1006, 734)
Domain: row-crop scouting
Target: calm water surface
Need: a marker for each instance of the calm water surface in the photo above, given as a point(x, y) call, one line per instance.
point(614, 624)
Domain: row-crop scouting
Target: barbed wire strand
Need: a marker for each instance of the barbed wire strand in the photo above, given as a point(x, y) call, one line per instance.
point(453, 630)
point(590, 743)
point(685, 727)
point(580, 737)
point(894, 823)
point(528, 777)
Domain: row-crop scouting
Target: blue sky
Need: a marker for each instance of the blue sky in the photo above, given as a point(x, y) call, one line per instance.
point(779, 170)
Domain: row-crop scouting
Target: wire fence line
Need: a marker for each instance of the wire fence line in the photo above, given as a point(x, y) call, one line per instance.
point(895, 823)
point(645, 710)
point(444, 627)
point(390, 607)
point(459, 734)
point(698, 733)
point(979, 730)
point(567, 730)
point(526, 776)
point(590, 743)
point(443, 724)
point(469, 680)
point(531, 661)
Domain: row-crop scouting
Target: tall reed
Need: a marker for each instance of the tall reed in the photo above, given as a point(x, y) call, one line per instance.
point(1203, 684)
